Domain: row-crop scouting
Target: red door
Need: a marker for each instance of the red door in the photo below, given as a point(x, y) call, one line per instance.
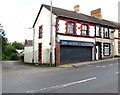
point(39, 52)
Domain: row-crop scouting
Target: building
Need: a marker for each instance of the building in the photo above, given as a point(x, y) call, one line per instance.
point(76, 37)
point(28, 51)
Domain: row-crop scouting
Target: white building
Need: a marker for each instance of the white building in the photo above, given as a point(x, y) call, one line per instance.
point(76, 37)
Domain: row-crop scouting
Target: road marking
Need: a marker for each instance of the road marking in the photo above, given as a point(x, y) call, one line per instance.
point(110, 64)
point(103, 66)
point(62, 86)
point(116, 72)
point(98, 66)
point(89, 65)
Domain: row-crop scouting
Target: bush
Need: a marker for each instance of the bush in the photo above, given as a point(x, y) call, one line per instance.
point(13, 56)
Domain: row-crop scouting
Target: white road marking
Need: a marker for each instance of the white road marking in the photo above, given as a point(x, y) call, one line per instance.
point(103, 66)
point(116, 63)
point(116, 72)
point(110, 64)
point(89, 65)
point(62, 86)
point(98, 66)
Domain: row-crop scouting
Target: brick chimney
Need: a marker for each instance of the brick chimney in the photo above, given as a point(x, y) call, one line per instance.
point(97, 13)
point(77, 8)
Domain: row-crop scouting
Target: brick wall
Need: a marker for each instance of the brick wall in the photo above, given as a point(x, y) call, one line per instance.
point(57, 53)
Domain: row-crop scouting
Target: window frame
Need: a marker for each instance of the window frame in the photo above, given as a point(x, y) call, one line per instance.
point(40, 34)
point(87, 29)
point(104, 33)
point(69, 28)
point(98, 30)
point(104, 49)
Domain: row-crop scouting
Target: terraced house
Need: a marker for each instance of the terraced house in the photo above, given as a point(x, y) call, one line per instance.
point(76, 37)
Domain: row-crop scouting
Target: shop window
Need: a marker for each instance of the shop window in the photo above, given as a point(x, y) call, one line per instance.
point(97, 31)
point(84, 30)
point(106, 49)
point(106, 33)
point(40, 32)
point(71, 27)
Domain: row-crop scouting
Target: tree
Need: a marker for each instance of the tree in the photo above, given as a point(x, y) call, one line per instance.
point(10, 52)
point(18, 45)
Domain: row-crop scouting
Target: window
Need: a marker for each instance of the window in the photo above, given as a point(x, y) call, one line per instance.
point(70, 28)
point(106, 49)
point(84, 30)
point(40, 32)
point(118, 47)
point(106, 33)
point(118, 33)
point(97, 31)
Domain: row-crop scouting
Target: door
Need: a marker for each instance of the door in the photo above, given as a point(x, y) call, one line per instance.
point(75, 54)
point(39, 52)
point(97, 52)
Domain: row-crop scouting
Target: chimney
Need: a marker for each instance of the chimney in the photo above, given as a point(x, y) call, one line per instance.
point(97, 13)
point(77, 8)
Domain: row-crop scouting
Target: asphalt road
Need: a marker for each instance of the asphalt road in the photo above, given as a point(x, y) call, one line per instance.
point(101, 77)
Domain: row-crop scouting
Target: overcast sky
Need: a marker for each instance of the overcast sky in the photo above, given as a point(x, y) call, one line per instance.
point(17, 16)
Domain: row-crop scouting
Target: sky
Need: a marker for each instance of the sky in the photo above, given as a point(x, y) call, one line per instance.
point(18, 16)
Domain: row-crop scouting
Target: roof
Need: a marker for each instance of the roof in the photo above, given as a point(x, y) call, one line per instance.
point(28, 42)
point(78, 16)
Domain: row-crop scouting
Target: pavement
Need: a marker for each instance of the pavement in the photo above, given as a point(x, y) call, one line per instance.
point(76, 65)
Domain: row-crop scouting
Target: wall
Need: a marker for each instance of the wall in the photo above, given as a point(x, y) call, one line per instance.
point(28, 54)
point(116, 39)
point(44, 19)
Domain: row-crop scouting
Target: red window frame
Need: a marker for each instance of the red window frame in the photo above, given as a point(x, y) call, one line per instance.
point(40, 32)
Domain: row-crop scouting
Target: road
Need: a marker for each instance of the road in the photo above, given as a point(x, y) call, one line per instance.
point(101, 77)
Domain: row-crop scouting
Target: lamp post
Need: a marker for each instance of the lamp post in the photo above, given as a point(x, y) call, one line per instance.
point(51, 37)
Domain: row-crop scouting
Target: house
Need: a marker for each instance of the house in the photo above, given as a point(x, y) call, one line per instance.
point(76, 37)
point(28, 51)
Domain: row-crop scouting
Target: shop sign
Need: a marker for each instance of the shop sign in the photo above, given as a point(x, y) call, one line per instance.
point(75, 43)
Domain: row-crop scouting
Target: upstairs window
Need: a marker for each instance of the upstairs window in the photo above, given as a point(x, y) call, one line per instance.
point(71, 27)
point(106, 33)
point(40, 32)
point(97, 31)
point(84, 30)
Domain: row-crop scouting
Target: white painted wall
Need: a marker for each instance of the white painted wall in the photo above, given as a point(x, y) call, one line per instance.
point(78, 31)
point(28, 54)
point(62, 26)
point(44, 19)
point(92, 31)
point(61, 37)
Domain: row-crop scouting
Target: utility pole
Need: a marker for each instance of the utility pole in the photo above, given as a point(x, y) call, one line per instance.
point(51, 37)
point(33, 44)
